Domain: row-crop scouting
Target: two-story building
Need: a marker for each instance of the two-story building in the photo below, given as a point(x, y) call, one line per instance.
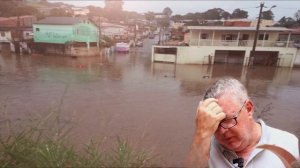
point(67, 36)
point(226, 44)
point(16, 33)
point(114, 31)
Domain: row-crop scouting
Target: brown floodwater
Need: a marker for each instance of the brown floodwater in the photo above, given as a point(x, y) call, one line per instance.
point(152, 105)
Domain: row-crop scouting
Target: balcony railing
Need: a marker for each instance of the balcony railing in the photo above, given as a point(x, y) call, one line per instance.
point(241, 43)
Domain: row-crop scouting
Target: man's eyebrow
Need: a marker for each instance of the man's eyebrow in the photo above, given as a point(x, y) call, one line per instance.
point(231, 115)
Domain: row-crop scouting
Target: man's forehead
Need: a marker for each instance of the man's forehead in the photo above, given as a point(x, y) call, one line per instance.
point(228, 99)
point(229, 105)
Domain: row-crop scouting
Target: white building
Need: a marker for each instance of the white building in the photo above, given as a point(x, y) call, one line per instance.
point(80, 11)
point(220, 44)
point(113, 30)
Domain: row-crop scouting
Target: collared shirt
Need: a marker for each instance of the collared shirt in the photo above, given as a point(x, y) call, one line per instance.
point(259, 158)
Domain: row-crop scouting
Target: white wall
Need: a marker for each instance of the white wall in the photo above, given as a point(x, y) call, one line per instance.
point(7, 36)
point(297, 58)
point(113, 31)
point(199, 55)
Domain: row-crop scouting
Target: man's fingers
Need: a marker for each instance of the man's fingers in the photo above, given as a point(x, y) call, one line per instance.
point(208, 101)
point(217, 109)
point(220, 116)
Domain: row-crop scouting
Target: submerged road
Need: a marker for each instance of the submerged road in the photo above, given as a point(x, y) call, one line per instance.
point(152, 105)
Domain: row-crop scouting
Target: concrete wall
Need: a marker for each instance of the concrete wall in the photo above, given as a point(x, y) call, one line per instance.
point(200, 55)
point(297, 59)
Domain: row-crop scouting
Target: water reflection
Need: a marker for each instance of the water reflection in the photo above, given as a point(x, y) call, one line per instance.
point(151, 104)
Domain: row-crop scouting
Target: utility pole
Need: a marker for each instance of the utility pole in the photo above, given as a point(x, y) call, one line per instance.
point(255, 36)
point(18, 36)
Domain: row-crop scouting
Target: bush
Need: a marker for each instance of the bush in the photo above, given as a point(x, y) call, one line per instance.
point(36, 145)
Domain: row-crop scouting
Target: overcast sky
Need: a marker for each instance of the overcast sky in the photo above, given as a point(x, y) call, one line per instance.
point(284, 8)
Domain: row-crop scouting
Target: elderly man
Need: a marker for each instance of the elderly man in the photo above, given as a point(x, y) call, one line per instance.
point(227, 134)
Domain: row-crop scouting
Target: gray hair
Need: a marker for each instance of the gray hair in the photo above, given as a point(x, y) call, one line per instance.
point(227, 85)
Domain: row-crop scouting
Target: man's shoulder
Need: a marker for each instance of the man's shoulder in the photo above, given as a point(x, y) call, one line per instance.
point(275, 135)
point(281, 136)
point(284, 139)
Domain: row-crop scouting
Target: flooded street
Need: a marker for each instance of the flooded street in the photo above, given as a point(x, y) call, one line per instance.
point(152, 105)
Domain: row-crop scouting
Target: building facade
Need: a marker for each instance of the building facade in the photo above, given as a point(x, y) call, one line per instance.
point(221, 44)
point(16, 33)
point(67, 33)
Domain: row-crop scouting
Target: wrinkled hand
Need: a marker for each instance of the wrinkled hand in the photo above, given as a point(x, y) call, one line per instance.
point(209, 115)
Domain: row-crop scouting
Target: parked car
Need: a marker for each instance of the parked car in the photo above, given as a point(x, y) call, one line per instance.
point(139, 43)
point(122, 47)
point(151, 36)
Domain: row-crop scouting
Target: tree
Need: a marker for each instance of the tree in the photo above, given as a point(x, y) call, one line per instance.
point(267, 15)
point(216, 14)
point(177, 17)
point(16, 9)
point(297, 16)
point(95, 11)
point(59, 12)
point(150, 16)
point(114, 5)
point(225, 15)
point(287, 22)
point(167, 11)
point(113, 10)
point(239, 14)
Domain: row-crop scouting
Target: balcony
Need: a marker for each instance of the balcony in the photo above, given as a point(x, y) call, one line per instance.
point(241, 43)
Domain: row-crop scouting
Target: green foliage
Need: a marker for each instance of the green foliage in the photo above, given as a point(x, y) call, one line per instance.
point(150, 16)
point(297, 16)
point(167, 11)
point(164, 22)
point(16, 9)
point(239, 14)
point(287, 22)
point(37, 144)
point(125, 156)
point(268, 15)
point(59, 12)
point(107, 42)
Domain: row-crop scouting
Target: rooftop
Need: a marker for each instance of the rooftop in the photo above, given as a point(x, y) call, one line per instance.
point(278, 29)
point(61, 20)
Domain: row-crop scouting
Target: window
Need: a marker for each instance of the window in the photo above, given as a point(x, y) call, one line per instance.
point(261, 37)
point(229, 37)
point(37, 29)
point(2, 34)
point(267, 37)
point(245, 37)
point(204, 36)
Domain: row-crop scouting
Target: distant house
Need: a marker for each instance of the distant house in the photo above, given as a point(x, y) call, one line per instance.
point(80, 11)
point(295, 37)
point(232, 45)
point(160, 15)
point(16, 31)
point(68, 33)
point(114, 31)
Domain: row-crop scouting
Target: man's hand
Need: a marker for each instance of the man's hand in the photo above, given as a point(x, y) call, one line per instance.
point(209, 115)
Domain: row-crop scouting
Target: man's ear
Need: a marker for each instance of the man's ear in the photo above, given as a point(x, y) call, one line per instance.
point(250, 107)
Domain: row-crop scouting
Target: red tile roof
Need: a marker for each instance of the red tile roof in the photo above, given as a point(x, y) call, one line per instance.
point(25, 21)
